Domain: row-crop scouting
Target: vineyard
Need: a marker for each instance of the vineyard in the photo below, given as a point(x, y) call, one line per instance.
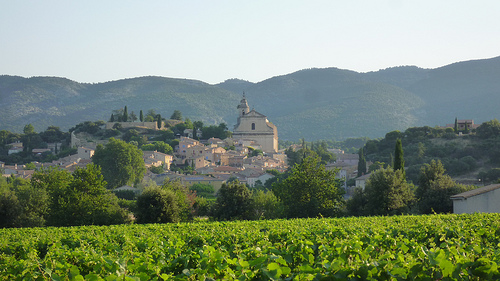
point(437, 247)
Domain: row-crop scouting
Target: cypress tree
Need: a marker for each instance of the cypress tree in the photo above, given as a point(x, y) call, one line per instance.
point(112, 119)
point(125, 115)
point(456, 125)
point(399, 161)
point(158, 121)
point(466, 130)
point(141, 116)
point(361, 163)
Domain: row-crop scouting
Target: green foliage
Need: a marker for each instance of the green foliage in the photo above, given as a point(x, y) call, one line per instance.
point(399, 161)
point(265, 205)
point(121, 163)
point(177, 115)
point(212, 131)
point(489, 129)
point(234, 201)
point(159, 121)
point(435, 189)
point(203, 190)
point(310, 190)
point(159, 146)
point(79, 198)
point(157, 169)
point(388, 193)
point(157, 205)
point(361, 163)
point(439, 247)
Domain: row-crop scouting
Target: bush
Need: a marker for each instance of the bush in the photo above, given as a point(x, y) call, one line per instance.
point(157, 205)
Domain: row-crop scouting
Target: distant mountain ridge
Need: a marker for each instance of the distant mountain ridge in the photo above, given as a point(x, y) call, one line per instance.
point(328, 103)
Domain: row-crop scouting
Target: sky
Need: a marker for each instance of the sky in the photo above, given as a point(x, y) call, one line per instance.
point(98, 41)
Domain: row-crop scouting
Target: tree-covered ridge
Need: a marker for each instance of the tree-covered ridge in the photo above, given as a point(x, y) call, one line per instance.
point(315, 104)
point(468, 157)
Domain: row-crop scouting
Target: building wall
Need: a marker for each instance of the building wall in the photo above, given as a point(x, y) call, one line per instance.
point(488, 202)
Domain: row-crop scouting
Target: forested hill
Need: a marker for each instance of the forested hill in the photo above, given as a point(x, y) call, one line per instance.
point(325, 103)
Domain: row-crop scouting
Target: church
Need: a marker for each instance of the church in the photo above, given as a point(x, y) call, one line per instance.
point(254, 126)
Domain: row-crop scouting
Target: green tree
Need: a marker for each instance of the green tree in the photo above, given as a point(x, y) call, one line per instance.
point(489, 129)
point(159, 121)
point(112, 118)
point(361, 163)
point(203, 190)
point(310, 190)
point(125, 115)
point(79, 198)
point(29, 129)
point(234, 201)
point(177, 115)
point(132, 116)
point(121, 163)
point(455, 128)
point(157, 205)
point(265, 205)
point(10, 209)
point(197, 125)
point(399, 161)
point(388, 193)
point(141, 116)
point(435, 189)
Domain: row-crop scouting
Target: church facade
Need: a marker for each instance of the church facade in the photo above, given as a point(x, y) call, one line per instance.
point(254, 126)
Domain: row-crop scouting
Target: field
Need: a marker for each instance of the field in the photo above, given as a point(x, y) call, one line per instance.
point(437, 247)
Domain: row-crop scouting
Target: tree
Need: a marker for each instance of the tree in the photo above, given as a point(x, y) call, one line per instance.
point(121, 163)
point(112, 118)
point(141, 116)
point(233, 202)
point(361, 163)
point(157, 205)
point(125, 115)
point(489, 129)
point(310, 190)
point(197, 125)
point(265, 205)
point(159, 146)
point(177, 115)
point(132, 116)
point(388, 193)
point(435, 189)
point(158, 121)
point(455, 128)
point(399, 161)
point(29, 129)
point(79, 198)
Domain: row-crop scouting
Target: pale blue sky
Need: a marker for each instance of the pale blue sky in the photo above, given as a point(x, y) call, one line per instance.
point(97, 41)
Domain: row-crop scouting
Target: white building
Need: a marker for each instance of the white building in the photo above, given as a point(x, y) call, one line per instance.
point(482, 200)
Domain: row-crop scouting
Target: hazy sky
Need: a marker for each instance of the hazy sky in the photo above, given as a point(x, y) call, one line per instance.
point(97, 41)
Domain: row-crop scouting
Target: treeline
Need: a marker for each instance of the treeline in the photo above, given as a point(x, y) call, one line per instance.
point(32, 140)
point(349, 145)
point(58, 198)
point(472, 152)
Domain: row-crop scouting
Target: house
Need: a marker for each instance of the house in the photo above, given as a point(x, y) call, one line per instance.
point(361, 181)
point(85, 152)
point(155, 158)
point(482, 200)
point(15, 147)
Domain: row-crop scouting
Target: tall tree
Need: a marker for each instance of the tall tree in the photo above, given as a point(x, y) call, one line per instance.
point(310, 190)
point(388, 193)
point(361, 163)
point(456, 125)
point(112, 118)
point(233, 202)
point(399, 161)
point(141, 116)
point(177, 115)
point(435, 189)
point(125, 115)
point(158, 121)
point(121, 163)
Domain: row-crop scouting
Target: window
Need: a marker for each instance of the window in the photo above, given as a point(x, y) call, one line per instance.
point(253, 126)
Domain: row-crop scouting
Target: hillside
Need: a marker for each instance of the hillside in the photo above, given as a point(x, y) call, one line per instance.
point(313, 103)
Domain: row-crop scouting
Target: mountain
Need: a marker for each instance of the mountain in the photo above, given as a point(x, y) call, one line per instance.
point(328, 103)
